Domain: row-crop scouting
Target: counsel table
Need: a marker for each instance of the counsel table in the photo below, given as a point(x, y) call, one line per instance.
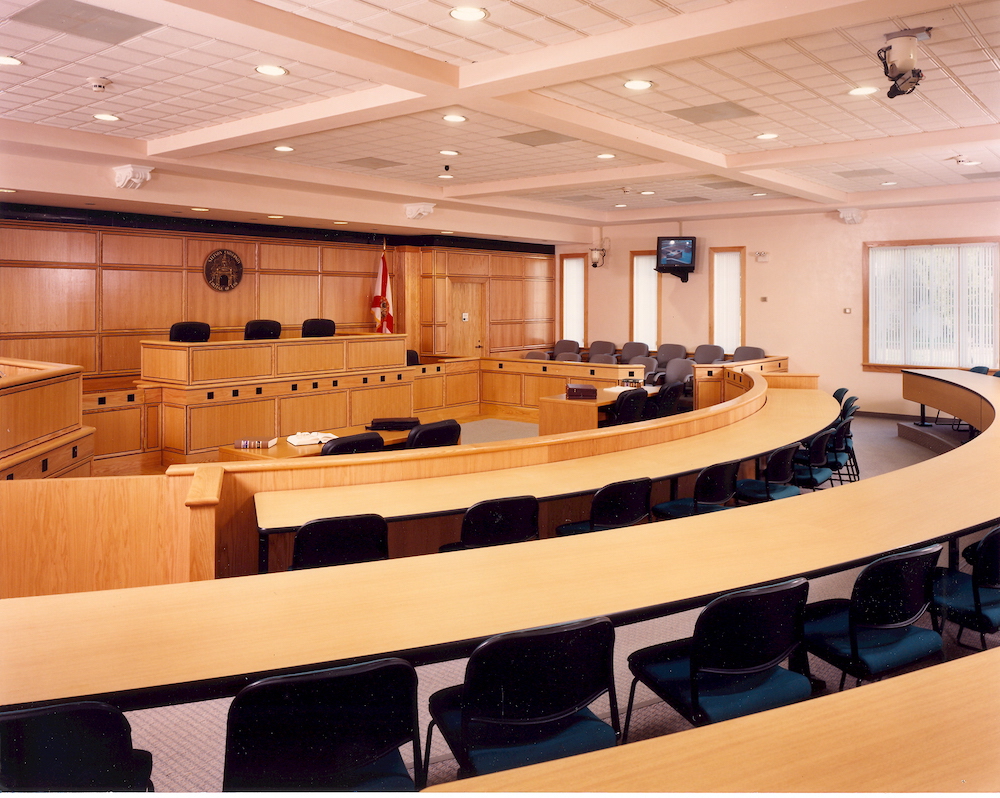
point(284, 449)
point(558, 414)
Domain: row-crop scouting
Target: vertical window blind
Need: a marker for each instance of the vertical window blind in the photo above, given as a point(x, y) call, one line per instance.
point(933, 305)
point(645, 307)
point(573, 281)
point(727, 300)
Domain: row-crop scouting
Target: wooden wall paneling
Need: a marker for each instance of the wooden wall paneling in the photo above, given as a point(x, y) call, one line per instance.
point(383, 401)
point(428, 392)
point(506, 335)
point(119, 431)
point(501, 387)
point(144, 299)
point(506, 266)
point(426, 339)
point(198, 249)
point(174, 428)
point(290, 299)
point(232, 308)
point(539, 333)
point(468, 263)
point(214, 425)
point(122, 352)
point(33, 412)
point(506, 300)
point(80, 351)
point(350, 259)
point(539, 299)
point(47, 245)
point(540, 266)
point(136, 249)
point(461, 389)
point(298, 358)
point(375, 353)
point(48, 299)
point(348, 299)
point(151, 442)
point(215, 364)
point(165, 363)
point(312, 412)
point(536, 385)
point(294, 257)
point(440, 300)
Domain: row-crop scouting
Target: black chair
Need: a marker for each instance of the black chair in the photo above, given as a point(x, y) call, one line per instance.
point(849, 406)
point(626, 409)
point(631, 349)
point(971, 600)
point(437, 433)
point(84, 746)
point(839, 395)
point(354, 444)
point(811, 468)
point(261, 330)
point(525, 698)
point(713, 487)
point(664, 402)
point(340, 541)
point(731, 665)
point(840, 457)
point(873, 634)
point(616, 505)
point(412, 357)
point(495, 522)
point(319, 328)
point(709, 353)
point(747, 353)
point(601, 348)
point(190, 332)
point(334, 729)
point(774, 481)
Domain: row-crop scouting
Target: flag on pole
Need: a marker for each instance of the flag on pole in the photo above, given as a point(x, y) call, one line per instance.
point(382, 299)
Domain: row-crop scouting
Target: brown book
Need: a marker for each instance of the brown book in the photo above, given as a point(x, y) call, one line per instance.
point(255, 443)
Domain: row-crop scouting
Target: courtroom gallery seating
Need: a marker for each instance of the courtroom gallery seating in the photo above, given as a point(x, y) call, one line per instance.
point(775, 479)
point(713, 487)
point(497, 521)
point(318, 328)
point(338, 729)
point(261, 329)
point(84, 746)
point(191, 332)
point(873, 633)
point(971, 600)
point(438, 433)
point(340, 541)
point(616, 505)
point(525, 698)
point(731, 665)
point(354, 444)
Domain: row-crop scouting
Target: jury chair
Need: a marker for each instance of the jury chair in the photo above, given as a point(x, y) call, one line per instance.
point(340, 541)
point(774, 480)
point(631, 349)
point(664, 402)
point(626, 409)
point(708, 353)
point(496, 522)
point(648, 363)
point(354, 444)
point(970, 600)
point(525, 698)
point(601, 348)
point(412, 357)
point(713, 487)
point(667, 352)
point(190, 332)
point(811, 469)
point(731, 665)
point(261, 329)
point(681, 370)
point(565, 345)
point(437, 433)
point(873, 633)
point(742, 353)
point(337, 729)
point(83, 746)
point(606, 359)
point(575, 357)
point(319, 328)
point(536, 354)
point(616, 505)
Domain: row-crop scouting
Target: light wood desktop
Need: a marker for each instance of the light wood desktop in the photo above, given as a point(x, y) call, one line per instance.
point(933, 730)
point(283, 448)
point(558, 414)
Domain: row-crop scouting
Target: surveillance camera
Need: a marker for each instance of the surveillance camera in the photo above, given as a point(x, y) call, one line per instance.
point(98, 84)
point(899, 60)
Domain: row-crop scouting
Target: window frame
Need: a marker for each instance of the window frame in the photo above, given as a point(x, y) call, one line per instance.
point(743, 292)
point(631, 296)
point(560, 304)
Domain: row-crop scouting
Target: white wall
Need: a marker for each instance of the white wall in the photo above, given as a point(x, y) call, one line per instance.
point(814, 271)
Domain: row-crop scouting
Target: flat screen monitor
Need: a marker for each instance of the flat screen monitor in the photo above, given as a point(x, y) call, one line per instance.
point(674, 253)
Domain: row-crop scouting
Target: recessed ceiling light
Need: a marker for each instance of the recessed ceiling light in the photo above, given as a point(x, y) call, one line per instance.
point(200, 210)
point(447, 232)
point(8, 191)
point(638, 85)
point(275, 217)
point(107, 117)
point(889, 183)
point(271, 70)
point(605, 155)
point(759, 194)
point(453, 118)
point(961, 161)
point(647, 193)
point(621, 205)
point(767, 136)
point(284, 148)
point(446, 177)
point(468, 13)
point(863, 91)
point(340, 222)
point(448, 152)
point(9, 60)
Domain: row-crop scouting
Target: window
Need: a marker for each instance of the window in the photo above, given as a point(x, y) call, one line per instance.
point(574, 285)
point(645, 299)
point(726, 325)
point(932, 304)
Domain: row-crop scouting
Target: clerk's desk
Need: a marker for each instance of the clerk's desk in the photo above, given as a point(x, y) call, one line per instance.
point(933, 730)
point(154, 645)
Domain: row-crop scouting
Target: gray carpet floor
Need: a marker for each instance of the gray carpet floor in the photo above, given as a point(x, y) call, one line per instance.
point(187, 741)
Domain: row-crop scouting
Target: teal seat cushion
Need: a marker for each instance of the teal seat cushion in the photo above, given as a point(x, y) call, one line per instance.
point(681, 508)
point(880, 651)
point(806, 478)
point(666, 670)
point(953, 595)
point(754, 491)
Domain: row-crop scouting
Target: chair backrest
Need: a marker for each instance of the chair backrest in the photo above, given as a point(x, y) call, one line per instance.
point(340, 541)
point(353, 444)
point(648, 363)
point(893, 591)
point(603, 359)
point(304, 731)
point(632, 349)
point(716, 484)
point(497, 521)
point(601, 348)
point(849, 407)
point(79, 746)
point(680, 369)
point(621, 503)
point(841, 432)
point(816, 448)
point(261, 329)
point(747, 353)
point(190, 332)
point(751, 630)
point(437, 433)
point(539, 675)
point(667, 352)
point(318, 328)
point(780, 467)
point(535, 354)
point(574, 356)
point(565, 345)
point(663, 402)
point(839, 395)
point(980, 370)
point(628, 406)
point(708, 353)
point(412, 357)
point(986, 566)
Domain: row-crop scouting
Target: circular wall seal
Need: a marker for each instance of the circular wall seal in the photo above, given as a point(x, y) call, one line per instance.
point(223, 270)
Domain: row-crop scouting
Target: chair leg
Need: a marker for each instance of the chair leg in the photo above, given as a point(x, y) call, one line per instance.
point(628, 711)
point(427, 754)
point(843, 678)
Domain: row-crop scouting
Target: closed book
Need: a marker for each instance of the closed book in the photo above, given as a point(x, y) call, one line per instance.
point(255, 443)
point(575, 391)
point(393, 423)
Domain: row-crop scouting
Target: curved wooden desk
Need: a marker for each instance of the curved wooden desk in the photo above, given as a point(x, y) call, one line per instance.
point(218, 634)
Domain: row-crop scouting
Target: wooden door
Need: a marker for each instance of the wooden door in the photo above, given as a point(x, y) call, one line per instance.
point(467, 319)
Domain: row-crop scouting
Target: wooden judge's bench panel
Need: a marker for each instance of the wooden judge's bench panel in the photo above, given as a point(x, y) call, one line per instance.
point(216, 392)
